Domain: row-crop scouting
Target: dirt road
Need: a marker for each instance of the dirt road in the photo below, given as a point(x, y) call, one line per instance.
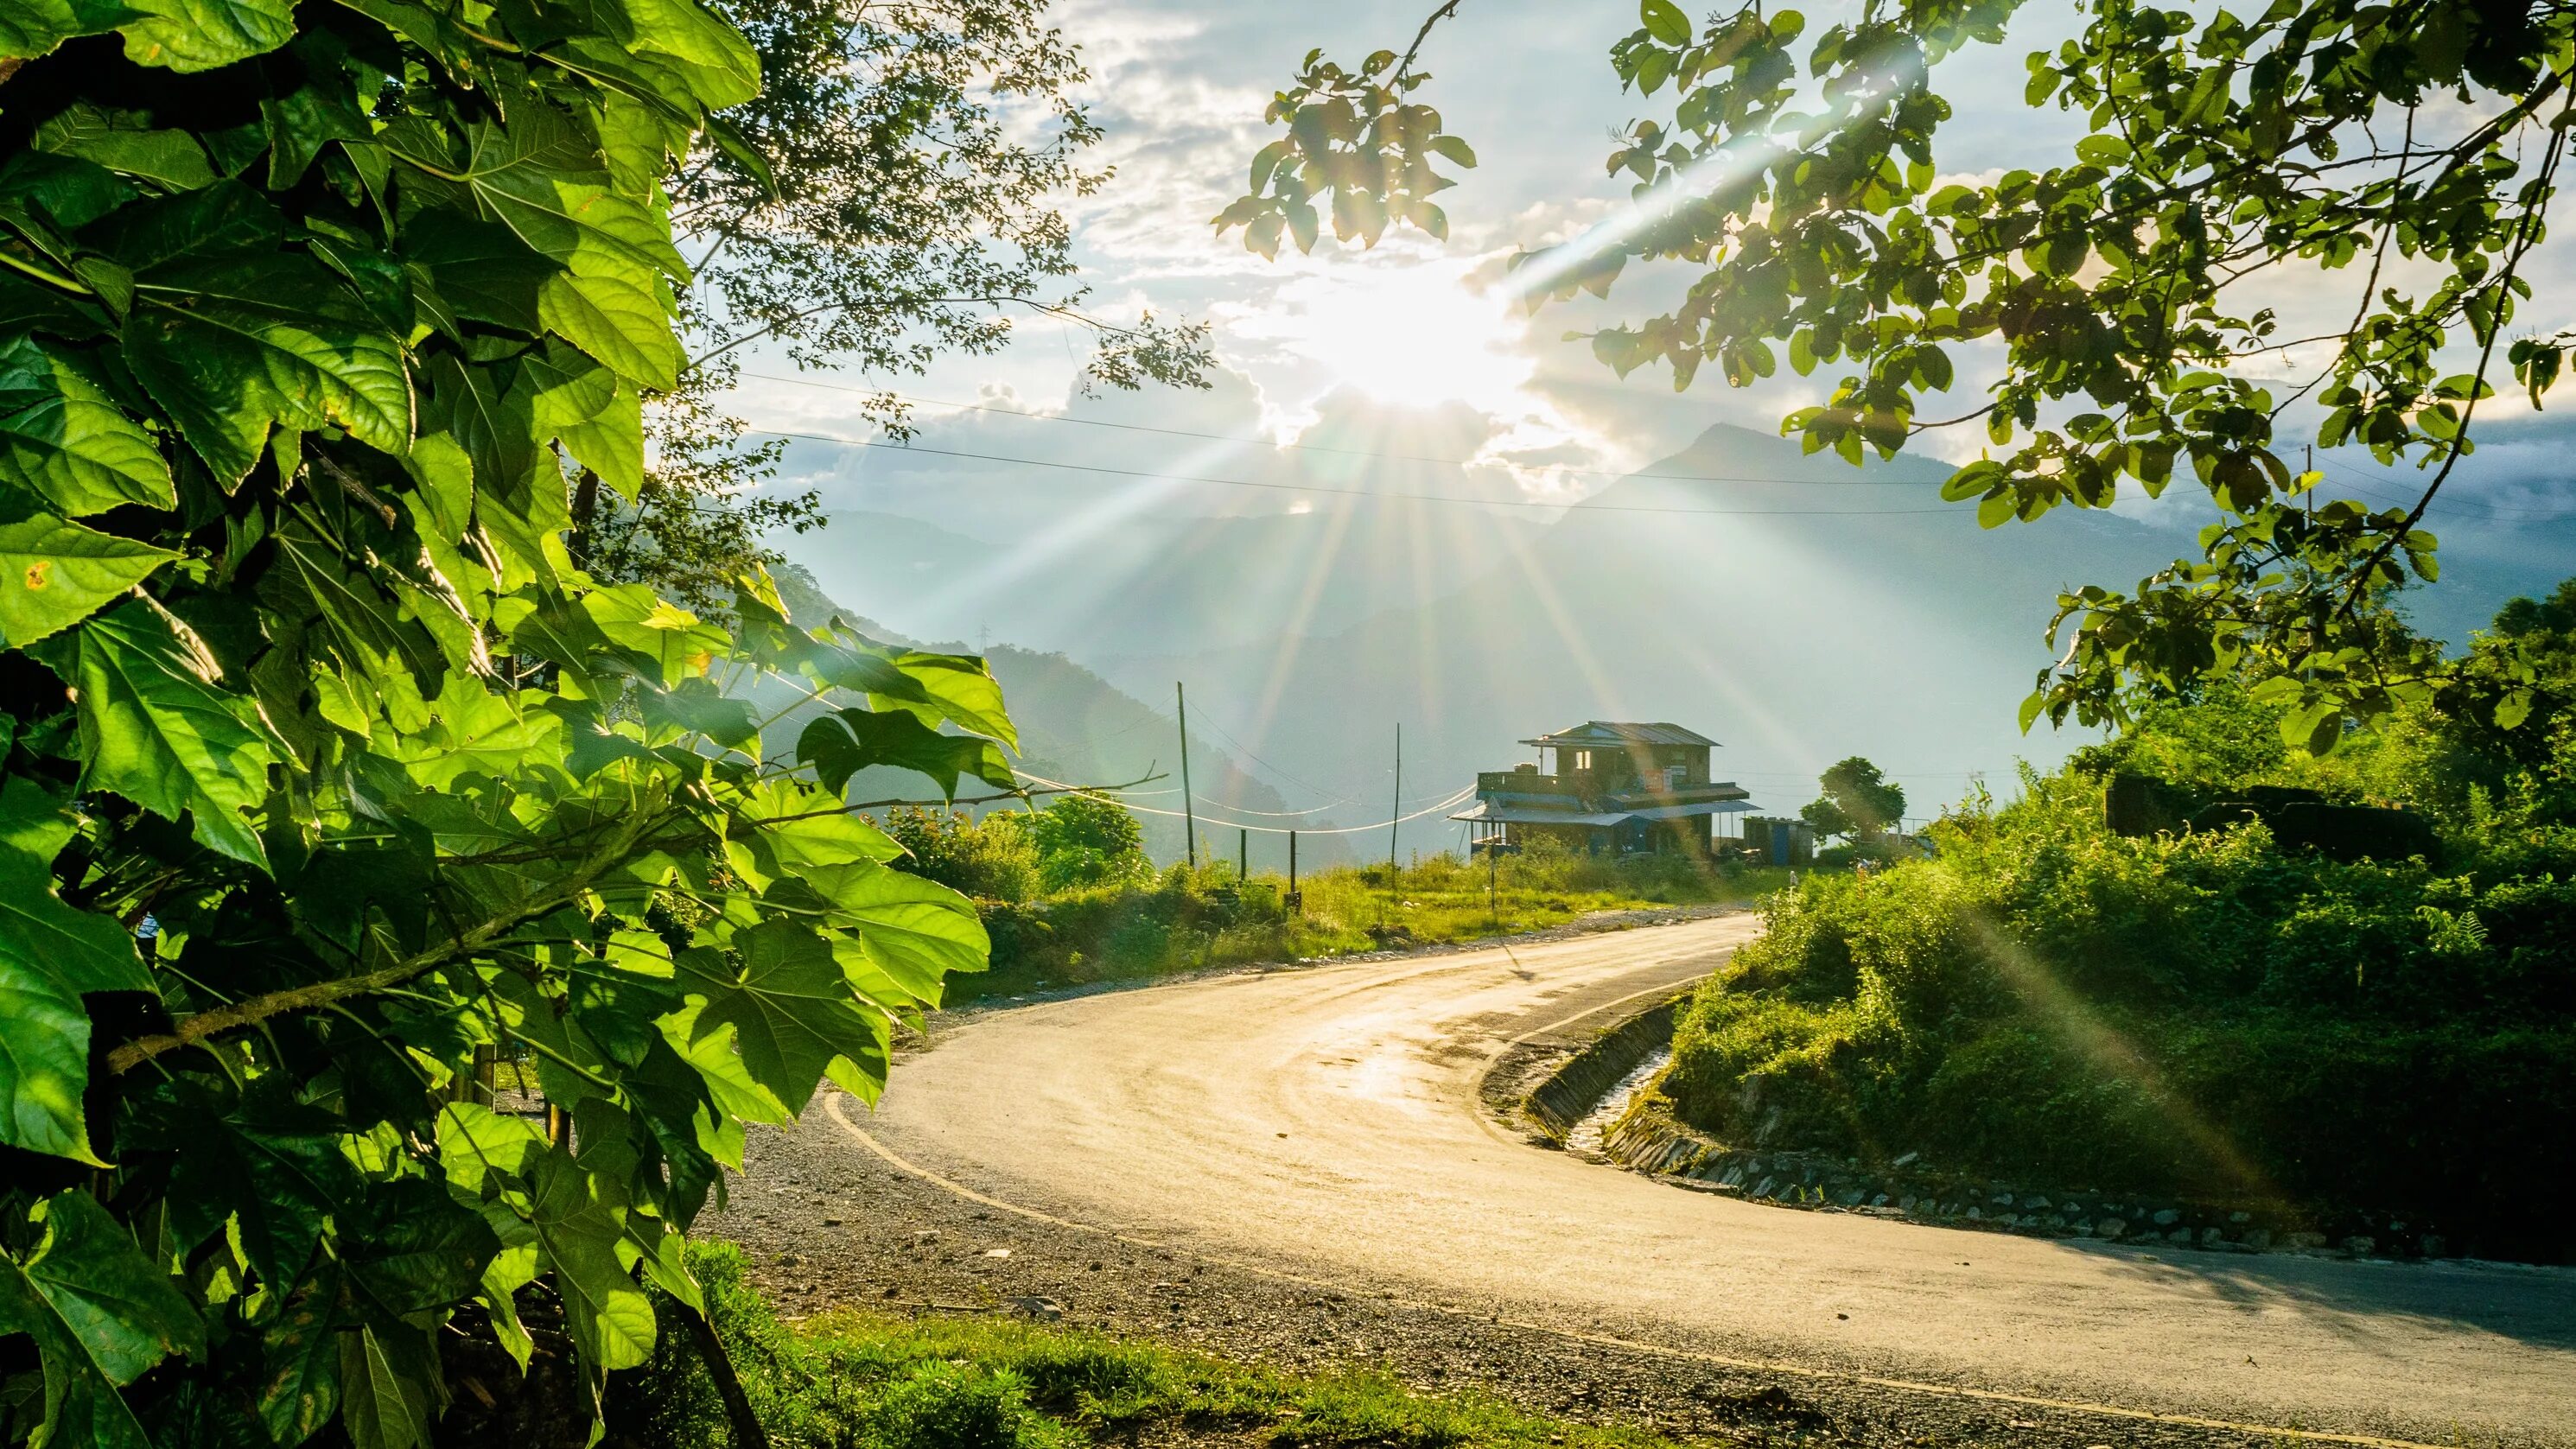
point(1322, 1126)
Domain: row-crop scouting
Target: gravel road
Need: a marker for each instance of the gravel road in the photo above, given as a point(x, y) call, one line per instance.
point(1296, 1167)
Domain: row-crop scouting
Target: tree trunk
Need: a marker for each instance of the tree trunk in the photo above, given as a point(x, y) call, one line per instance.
point(747, 1433)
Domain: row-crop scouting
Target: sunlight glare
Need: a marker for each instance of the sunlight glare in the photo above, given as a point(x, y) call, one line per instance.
point(1412, 336)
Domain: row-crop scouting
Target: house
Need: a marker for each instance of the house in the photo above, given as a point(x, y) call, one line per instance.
point(1617, 789)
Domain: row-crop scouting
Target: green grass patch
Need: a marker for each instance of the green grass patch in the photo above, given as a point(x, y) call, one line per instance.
point(1185, 919)
point(851, 1380)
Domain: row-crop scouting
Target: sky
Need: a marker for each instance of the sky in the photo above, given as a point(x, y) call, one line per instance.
point(1413, 349)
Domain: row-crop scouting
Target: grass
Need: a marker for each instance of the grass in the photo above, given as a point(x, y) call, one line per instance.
point(852, 1380)
point(1189, 919)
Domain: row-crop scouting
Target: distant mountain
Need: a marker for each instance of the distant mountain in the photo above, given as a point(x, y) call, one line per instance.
point(1837, 612)
point(1109, 583)
point(1076, 727)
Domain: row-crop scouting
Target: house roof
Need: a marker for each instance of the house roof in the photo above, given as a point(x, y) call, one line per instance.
point(1610, 734)
point(1501, 814)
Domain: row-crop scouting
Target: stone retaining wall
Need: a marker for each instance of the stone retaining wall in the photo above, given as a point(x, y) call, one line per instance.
point(1569, 1093)
point(1649, 1140)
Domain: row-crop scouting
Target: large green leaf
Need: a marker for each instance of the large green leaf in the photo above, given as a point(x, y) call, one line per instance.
point(54, 574)
point(539, 178)
point(188, 35)
point(266, 1164)
point(917, 931)
point(414, 1249)
point(841, 744)
point(578, 1231)
point(232, 331)
point(126, 141)
point(794, 1017)
point(384, 1390)
point(49, 955)
point(30, 28)
point(101, 1315)
point(63, 439)
point(159, 728)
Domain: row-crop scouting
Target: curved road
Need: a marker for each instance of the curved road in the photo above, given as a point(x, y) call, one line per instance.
point(1325, 1123)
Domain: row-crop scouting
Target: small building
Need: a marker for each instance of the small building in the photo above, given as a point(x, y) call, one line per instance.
point(1617, 789)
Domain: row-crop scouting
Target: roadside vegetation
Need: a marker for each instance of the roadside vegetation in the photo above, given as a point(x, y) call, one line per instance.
point(1069, 897)
point(2204, 1012)
point(851, 1380)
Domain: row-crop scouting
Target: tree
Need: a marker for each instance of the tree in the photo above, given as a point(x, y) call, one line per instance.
point(1858, 801)
point(890, 196)
point(329, 773)
point(2131, 291)
point(1087, 840)
point(990, 859)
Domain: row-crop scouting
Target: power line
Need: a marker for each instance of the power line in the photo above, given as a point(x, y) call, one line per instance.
point(1444, 804)
point(1327, 448)
point(1353, 492)
point(2509, 514)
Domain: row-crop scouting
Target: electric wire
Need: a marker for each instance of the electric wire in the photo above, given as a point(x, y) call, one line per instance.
point(1207, 819)
point(2508, 514)
point(1370, 493)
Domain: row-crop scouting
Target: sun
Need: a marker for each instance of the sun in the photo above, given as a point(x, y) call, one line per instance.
point(1411, 336)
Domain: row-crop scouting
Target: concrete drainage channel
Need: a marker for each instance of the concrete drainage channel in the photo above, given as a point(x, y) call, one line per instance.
point(1587, 1105)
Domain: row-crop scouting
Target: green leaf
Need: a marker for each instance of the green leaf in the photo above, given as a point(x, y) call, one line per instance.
point(841, 744)
point(160, 728)
point(914, 930)
point(231, 332)
point(192, 35)
point(101, 1315)
point(30, 28)
point(414, 1249)
point(384, 1402)
point(610, 1318)
point(790, 1011)
point(619, 320)
point(54, 574)
point(475, 731)
point(49, 955)
point(958, 687)
point(300, 1365)
point(125, 141)
point(1665, 21)
point(64, 439)
point(268, 1163)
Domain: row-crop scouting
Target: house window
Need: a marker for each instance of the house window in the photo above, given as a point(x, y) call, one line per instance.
point(1676, 776)
point(1583, 762)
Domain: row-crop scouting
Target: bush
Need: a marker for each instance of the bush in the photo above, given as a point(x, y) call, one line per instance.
point(2205, 1013)
point(993, 860)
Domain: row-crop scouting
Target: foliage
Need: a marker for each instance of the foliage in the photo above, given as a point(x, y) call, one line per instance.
point(892, 196)
point(992, 860)
point(327, 769)
point(1087, 840)
point(1857, 800)
point(863, 1381)
point(2197, 1013)
point(1797, 183)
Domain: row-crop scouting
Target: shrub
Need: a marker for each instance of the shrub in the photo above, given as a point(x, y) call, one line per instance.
point(2207, 1013)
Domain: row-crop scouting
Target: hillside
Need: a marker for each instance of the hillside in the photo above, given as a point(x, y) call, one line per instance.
point(1076, 727)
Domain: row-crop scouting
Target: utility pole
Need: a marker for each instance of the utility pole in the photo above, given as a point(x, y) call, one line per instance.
point(1494, 879)
point(1296, 902)
point(1243, 855)
point(1395, 821)
point(1189, 806)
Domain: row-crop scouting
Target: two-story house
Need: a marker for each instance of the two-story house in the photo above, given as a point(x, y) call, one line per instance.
point(1617, 788)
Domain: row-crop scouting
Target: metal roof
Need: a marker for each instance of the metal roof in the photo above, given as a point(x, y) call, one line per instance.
point(1598, 733)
